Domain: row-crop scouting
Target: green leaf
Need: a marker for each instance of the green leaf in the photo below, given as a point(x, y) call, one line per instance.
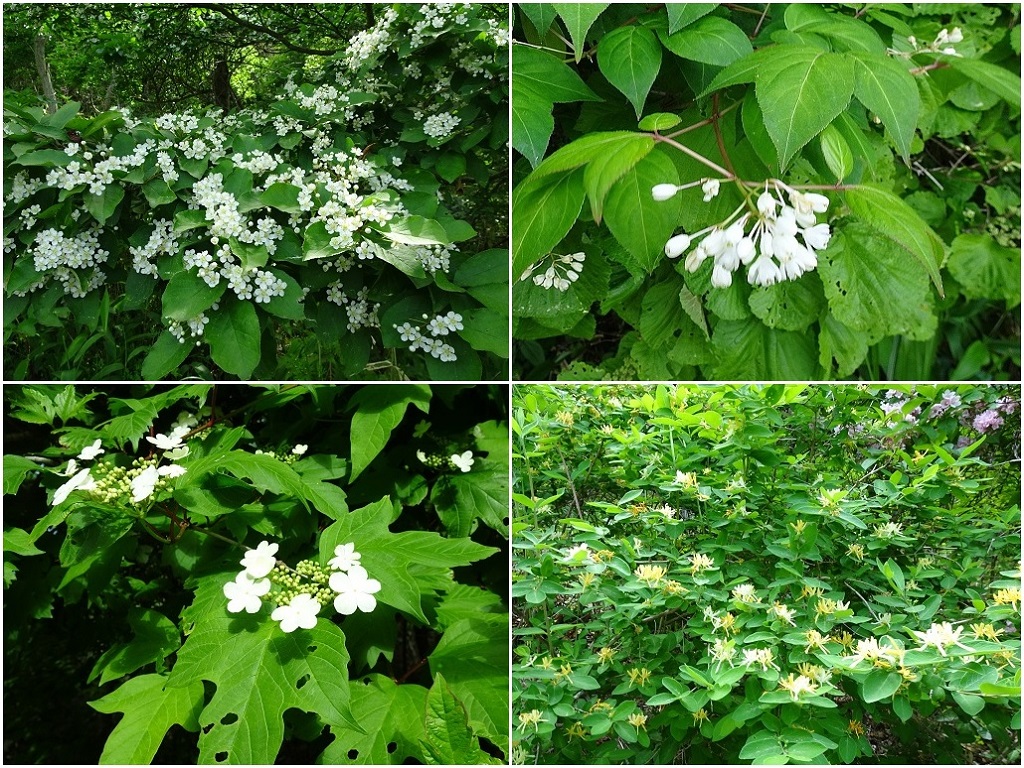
point(541, 15)
point(606, 168)
point(881, 685)
point(44, 157)
point(404, 563)
point(473, 656)
point(593, 148)
point(800, 90)
point(884, 86)
point(18, 541)
point(637, 221)
point(102, 206)
point(316, 242)
point(630, 58)
point(16, 468)
point(186, 295)
point(682, 14)
point(901, 706)
point(166, 354)
point(792, 305)
point(149, 710)
point(712, 40)
point(378, 411)
point(759, 745)
point(806, 750)
point(158, 192)
point(969, 703)
point(540, 80)
point(189, 219)
point(886, 213)
point(448, 739)
point(659, 121)
point(282, 196)
point(849, 33)
point(389, 714)
point(259, 672)
point(463, 499)
point(542, 214)
point(750, 350)
point(234, 336)
point(578, 18)
point(155, 637)
point(837, 153)
point(416, 230)
point(1003, 82)
point(985, 269)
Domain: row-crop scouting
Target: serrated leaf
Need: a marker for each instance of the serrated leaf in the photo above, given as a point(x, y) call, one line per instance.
point(541, 15)
point(1003, 82)
point(542, 214)
point(378, 411)
point(711, 40)
point(166, 354)
point(16, 468)
point(448, 739)
point(388, 556)
point(259, 672)
point(884, 86)
point(155, 637)
point(150, 709)
point(630, 58)
point(750, 350)
point(682, 14)
point(837, 153)
point(234, 336)
point(886, 213)
point(985, 269)
point(388, 714)
point(578, 18)
point(637, 221)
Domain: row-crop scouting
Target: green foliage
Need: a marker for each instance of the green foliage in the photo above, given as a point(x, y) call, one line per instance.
point(304, 238)
point(905, 121)
point(142, 576)
point(766, 574)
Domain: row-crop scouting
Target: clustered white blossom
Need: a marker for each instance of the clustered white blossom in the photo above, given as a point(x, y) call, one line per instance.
point(430, 342)
point(440, 125)
point(301, 593)
point(59, 256)
point(162, 242)
point(781, 244)
point(361, 312)
point(943, 43)
point(561, 273)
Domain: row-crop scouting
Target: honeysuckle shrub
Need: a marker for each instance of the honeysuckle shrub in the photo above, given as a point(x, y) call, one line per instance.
point(355, 228)
point(792, 573)
point(254, 575)
point(766, 191)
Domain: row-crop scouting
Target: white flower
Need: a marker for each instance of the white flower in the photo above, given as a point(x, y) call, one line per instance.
point(745, 593)
point(677, 245)
point(463, 461)
point(90, 452)
point(71, 468)
point(244, 593)
point(260, 561)
point(300, 449)
point(355, 591)
point(574, 553)
point(345, 557)
point(144, 484)
point(662, 192)
point(165, 442)
point(710, 188)
point(83, 481)
point(941, 635)
point(177, 453)
point(171, 470)
point(300, 612)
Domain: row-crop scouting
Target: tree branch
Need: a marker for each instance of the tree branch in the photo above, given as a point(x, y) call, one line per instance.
point(232, 16)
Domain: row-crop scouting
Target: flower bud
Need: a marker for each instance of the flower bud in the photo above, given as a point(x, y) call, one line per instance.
point(956, 36)
point(662, 192)
point(677, 245)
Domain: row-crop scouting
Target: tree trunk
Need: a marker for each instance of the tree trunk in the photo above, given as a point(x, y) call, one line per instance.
point(368, 9)
point(108, 97)
point(44, 74)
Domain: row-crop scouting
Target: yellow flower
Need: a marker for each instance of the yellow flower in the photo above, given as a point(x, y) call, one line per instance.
point(700, 715)
point(815, 640)
point(845, 639)
point(686, 479)
point(587, 579)
point(814, 672)
point(808, 591)
point(565, 671)
point(673, 587)
point(1007, 596)
point(575, 731)
point(545, 663)
point(855, 728)
point(726, 623)
point(601, 706)
point(638, 677)
point(700, 562)
point(651, 574)
point(745, 593)
point(986, 632)
point(528, 719)
point(565, 418)
point(783, 613)
point(763, 656)
point(608, 429)
point(856, 550)
point(606, 655)
point(638, 721)
point(798, 685)
point(798, 527)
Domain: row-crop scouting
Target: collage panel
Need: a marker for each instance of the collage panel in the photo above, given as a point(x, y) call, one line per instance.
point(242, 574)
point(766, 192)
point(736, 574)
point(242, 191)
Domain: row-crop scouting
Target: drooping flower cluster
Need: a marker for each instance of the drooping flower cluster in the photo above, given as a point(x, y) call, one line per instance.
point(431, 341)
point(781, 243)
point(302, 592)
point(943, 43)
point(561, 272)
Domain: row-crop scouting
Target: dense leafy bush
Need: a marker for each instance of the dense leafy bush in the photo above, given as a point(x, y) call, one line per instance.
point(839, 184)
point(283, 572)
point(354, 228)
point(766, 574)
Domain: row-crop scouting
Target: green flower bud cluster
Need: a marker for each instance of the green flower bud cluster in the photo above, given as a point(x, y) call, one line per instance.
point(284, 458)
point(308, 578)
point(438, 461)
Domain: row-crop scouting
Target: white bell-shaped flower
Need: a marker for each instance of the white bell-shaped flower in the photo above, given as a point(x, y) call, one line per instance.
point(677, 246)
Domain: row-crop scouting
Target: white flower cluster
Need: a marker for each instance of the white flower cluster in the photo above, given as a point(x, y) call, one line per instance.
point(561, 273)
point(782, 242)
point(257, 162)
point(441, 125)
point(354, 589)
point(195, 326)
point(943, 43)
point(186, 122)
point(361, 313)
point(435, 18)
point(22, 188)
point(57, 256)
point(370, 42)
point(430, 342)
point(162, 241)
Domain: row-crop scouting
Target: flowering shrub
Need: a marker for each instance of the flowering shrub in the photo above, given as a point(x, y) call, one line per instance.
point(783, 574)
point(273, 570)
point(806, 166)
point(336, 213)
